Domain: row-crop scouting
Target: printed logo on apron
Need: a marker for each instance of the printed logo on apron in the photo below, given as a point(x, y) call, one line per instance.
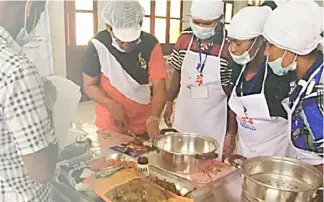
point(246, 121)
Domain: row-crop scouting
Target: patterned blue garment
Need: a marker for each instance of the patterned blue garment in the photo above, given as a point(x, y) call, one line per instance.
point(307, 119)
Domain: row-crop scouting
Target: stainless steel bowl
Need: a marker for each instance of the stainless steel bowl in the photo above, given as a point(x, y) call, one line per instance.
point(273, 178)
point(185, 152)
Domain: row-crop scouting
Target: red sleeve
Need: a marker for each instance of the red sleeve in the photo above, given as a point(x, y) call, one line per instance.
point(157, 69)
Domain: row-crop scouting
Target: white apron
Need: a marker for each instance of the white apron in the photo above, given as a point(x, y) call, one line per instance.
point(203, 116)
point(259, 133)
point(302, 155)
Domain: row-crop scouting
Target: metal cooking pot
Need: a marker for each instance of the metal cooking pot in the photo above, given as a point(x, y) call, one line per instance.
point(272, 178)
point(184, 152)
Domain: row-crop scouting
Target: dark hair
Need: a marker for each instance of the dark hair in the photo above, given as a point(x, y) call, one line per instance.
point(271, 4)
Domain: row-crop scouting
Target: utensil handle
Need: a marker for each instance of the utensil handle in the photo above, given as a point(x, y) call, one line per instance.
point(168, 130)
point(233, 160)
point(208, 156)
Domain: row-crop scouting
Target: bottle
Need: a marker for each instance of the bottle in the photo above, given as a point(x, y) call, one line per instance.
point(142, 165)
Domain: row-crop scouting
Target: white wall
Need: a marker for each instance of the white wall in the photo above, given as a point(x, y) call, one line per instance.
point(56, 13)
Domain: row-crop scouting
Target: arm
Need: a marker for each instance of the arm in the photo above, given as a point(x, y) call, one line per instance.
point(91, 76)
point(41, 165)
point(158, 98)
point(174, 88)
point(157, 73)
point(92, 89)
point(231, 123)
point(29, 123)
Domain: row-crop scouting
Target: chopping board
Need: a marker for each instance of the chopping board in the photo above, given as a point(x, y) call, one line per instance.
point(127, 182)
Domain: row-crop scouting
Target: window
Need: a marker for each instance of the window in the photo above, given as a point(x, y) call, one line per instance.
point(255, 2)
point(163, 18)
point(83, 18)
point(228, 10)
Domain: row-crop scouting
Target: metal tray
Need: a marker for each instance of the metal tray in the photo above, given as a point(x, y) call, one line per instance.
point(225, 189)
point(62, 184)
point(183, 185)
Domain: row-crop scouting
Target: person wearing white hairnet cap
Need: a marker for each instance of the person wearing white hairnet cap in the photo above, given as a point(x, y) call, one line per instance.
point(118, 66)
point(257, 95)
point(202, 78)
point(293, 33)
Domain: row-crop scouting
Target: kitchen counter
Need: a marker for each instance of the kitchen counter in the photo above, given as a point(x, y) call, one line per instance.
point(220, 190)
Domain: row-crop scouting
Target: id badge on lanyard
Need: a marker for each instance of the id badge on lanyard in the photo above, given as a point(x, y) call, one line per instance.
point(198, 90)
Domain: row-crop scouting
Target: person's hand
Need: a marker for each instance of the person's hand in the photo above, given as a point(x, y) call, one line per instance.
point(152, 127)
point(167, 114)
point(118, 115)
point(229, 145)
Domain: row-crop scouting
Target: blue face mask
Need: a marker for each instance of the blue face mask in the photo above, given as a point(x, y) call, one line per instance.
point(202, 33)
point(278, 69)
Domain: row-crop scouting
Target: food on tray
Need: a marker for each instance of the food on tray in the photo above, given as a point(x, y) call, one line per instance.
point(101, 164)
point(140, 145)
point(129, 185)
point(167, 185)
point(96, 164)
point(138, 190)
point(212, 172)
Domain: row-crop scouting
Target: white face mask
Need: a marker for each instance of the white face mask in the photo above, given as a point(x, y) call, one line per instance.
point(245, 57)
point(23, 37)
point(115, 44)
point(202, 33)
point(277, 67)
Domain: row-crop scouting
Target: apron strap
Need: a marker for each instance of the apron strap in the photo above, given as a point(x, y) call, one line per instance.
point(222, 45)
point(265, 75)
point(190, 43)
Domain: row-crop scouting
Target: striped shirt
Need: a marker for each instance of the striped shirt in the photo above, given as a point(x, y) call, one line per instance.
point(227, 65)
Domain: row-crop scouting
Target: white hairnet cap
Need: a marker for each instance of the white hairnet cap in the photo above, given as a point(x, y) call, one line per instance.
point(248, 22)
point(124, 18)
point(206, 9)
point(295, 26)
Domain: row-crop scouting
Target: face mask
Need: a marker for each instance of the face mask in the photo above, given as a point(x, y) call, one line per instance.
point(115, 44)
point(245, 57)
point(23, 36)
point(202, 32)
point(277, 68)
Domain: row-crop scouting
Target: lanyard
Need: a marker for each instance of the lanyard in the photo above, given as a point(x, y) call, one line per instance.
point(254, 79)
point(201, 65)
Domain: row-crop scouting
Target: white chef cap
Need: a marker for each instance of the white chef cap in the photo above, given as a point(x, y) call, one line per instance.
point(295, 26)
point(248, 22)
point(124, 18)
point(206, 9)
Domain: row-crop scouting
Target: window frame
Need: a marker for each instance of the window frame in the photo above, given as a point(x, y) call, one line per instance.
point(168, 18)
point(70, 21)
point(224, 10)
